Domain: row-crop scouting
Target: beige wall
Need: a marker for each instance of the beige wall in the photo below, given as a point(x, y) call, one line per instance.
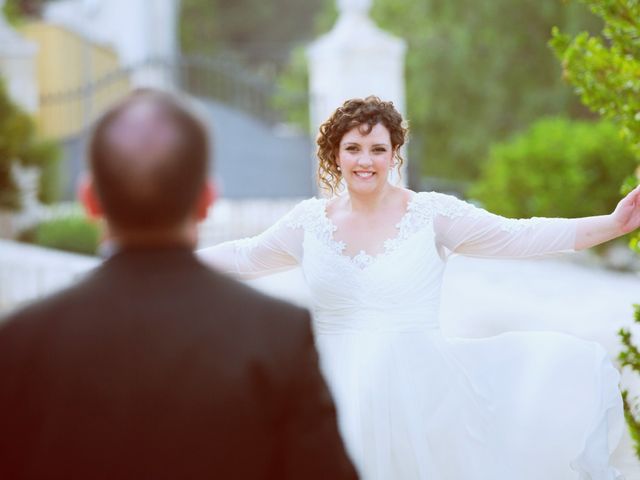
point(66, 65)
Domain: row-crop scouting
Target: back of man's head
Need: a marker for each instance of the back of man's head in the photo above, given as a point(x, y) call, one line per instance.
point(148, 156)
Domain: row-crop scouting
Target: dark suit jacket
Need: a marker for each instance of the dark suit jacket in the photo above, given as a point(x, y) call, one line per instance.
point(157, 367)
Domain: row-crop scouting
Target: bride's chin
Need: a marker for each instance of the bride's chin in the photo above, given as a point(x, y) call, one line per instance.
point(358, 187)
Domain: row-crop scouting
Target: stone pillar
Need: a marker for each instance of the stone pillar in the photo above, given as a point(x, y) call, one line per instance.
point(355, 59)
point(155, 37)
point(18, 65)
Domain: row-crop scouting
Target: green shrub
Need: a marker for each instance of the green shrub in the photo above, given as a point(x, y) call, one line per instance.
point(557, 168)
point(20, 144)
point(74, 233)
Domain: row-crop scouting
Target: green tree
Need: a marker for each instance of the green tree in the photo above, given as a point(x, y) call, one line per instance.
point(259, 32)
point(605, 71)
point(15, 10)
point(19, 145)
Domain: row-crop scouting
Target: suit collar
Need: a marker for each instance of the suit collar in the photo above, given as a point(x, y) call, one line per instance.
point(152, 257)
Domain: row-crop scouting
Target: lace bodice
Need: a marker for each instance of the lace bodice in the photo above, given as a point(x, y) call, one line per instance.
point(403, 282)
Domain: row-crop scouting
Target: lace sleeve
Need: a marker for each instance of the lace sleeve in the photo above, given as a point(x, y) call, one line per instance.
point(277, 249)
point(461, 227)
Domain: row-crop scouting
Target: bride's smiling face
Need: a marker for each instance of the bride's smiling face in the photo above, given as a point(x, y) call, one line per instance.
point(365, 158)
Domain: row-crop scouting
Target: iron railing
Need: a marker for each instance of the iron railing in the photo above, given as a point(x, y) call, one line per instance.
point(218, 78)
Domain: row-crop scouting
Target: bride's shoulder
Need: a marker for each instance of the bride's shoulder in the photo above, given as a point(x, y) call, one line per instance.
point(433, 196)
point(445, 204)
point(311, 206)
point(305, 212)
point(430, 200)
point(309, 203)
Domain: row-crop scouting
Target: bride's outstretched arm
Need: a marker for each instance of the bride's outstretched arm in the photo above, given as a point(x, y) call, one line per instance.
point(277, 249)
point(591, 231)
point(463, 228)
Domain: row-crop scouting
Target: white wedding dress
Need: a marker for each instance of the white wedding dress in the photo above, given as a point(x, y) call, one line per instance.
point(413, 404)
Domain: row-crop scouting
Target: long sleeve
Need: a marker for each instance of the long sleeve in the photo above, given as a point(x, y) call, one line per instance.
point(277, 249)
point(463, 228)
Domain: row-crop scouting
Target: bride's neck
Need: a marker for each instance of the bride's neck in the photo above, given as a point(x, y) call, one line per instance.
point(370, 202)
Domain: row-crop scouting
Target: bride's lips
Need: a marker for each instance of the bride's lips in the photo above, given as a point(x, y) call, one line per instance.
point(364, 174)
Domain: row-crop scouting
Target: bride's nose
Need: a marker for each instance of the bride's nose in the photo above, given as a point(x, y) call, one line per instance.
point(365, 160)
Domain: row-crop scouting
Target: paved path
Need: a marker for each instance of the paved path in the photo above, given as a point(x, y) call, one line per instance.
point(485, 297)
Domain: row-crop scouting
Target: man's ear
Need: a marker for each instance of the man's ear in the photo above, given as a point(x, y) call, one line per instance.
point(207, 198)
point(89, 197)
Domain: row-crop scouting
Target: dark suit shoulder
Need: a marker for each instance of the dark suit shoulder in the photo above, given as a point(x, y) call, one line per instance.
point(259, 307)
point(26, 332)
point(48, 309)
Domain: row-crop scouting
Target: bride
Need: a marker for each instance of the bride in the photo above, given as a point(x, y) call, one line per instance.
point(413, 404)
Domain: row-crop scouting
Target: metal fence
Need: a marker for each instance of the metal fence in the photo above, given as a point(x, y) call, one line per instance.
point(63, 114)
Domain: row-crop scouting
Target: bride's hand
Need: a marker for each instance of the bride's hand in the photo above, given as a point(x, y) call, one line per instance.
point(627, 213)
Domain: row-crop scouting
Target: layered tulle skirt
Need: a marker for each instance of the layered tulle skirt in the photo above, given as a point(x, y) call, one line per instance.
point(525, 405)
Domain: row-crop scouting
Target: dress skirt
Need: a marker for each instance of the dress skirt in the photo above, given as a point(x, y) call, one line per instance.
point(520, 405)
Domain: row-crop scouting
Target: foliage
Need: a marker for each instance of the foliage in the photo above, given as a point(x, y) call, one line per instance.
point(293, 80)
point(73, 233)
point(256, 30)
point(557, 167)
point(606, 74)
point(606, 71)
point(476, 73)
point(630, 357)
point(15, 10)
point(20, 145)
point(293, 89)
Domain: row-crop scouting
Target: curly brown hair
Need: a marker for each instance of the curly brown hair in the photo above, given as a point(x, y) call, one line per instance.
point(356, 112)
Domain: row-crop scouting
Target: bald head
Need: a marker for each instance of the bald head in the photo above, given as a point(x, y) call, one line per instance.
point(148, 156)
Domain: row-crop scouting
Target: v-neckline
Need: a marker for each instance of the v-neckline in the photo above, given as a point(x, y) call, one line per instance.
point(363, 259)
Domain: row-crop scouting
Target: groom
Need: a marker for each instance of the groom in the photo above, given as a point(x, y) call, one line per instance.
point(155, 367)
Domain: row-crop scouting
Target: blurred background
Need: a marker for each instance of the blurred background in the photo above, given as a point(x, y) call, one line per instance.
point(503, 110)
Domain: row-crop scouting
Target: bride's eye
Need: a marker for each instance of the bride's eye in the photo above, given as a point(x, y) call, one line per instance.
point(352, 148)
